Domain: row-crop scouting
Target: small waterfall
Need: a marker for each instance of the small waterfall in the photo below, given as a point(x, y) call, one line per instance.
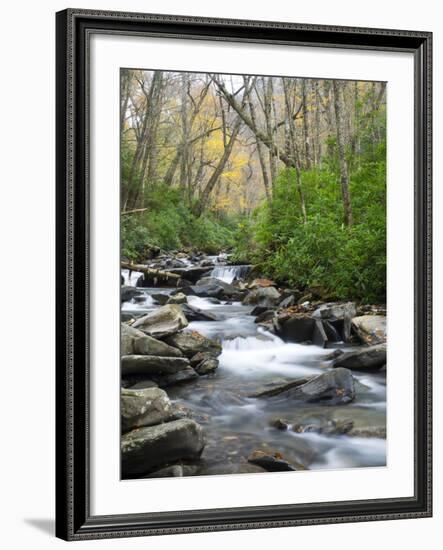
point(130, 280)
point(230, 273)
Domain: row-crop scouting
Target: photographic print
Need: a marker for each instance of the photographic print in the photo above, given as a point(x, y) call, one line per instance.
point(253, 272)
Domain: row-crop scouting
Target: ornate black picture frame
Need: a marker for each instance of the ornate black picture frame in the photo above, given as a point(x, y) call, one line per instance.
point(74, 520)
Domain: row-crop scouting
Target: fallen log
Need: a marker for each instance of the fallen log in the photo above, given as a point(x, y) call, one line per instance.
point(151, 274)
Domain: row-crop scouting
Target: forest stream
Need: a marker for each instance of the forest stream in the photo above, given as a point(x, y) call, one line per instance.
point(252, 360)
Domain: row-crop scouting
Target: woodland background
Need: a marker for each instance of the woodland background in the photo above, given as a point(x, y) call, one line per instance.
point(286, 173)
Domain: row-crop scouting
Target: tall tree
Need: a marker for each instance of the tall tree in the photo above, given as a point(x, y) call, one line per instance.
point(344, 173)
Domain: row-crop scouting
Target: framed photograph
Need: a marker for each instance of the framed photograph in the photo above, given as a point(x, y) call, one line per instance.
point(243, 274)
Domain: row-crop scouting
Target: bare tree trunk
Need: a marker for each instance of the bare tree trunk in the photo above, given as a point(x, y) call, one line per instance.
point(294, 150)
point(307, 146)
point(344, 176)
point(260, 146)
point(218, 170)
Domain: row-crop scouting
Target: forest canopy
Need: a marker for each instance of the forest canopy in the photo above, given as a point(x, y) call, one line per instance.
point(287, 174)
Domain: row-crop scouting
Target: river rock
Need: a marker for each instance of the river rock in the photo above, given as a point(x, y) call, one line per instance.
point(191, 274)
point(376, 431)
point(287, 302)
point(207, 366)
point(144, 449)
point(134, 341)
point(324, 333)
point(297, 328)
point(188, 374)
point(223, 468)
point(335, 387)
point(128, 292)
point(373, 357)
point(339, 315)
point(371, 329)
point(176, 470)
point(263, 296)
point(265, 316)
point(144, 407)
point(332, 427)
point(275, 388)
point(190, 343)
point(151, 364)
point(179, 298)
point(272, 462)
point(164, 321)
point(280, 424)
point(210, 287)
point(193, 313)
point(141, 384)
point(160, 298)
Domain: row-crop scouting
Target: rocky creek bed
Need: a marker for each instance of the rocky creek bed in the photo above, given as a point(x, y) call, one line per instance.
point(226, 373)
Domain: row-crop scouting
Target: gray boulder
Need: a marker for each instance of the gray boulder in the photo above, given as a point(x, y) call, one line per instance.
point(144, 407)
point(373, 357)
point(288, 301)
point(134, 341)
point(128, 292)
point(335, 387)
point(207, 366)
point(371, 329)
point(164, 321)
point(263, 296)
point(190, 343)
point(337, 315)
point(180, 377)
point(209, 287)
point(297, 328)
point(191, 274)
point(160, 298)
point(151, 364)
point(145, 449)
point(178, 298)
point(193, 313)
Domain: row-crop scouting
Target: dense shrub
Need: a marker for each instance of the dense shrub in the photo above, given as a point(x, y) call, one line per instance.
point(346, 263)
point(170, 224)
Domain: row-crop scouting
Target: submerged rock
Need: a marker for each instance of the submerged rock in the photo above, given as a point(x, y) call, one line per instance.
point(373, 357)
point(164, 321)
point(371, 329)
point(144, 407)
point(333, 427)
point(376, 431)
point(144, 449)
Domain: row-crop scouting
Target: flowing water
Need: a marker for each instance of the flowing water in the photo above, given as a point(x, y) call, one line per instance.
point(252, 359)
